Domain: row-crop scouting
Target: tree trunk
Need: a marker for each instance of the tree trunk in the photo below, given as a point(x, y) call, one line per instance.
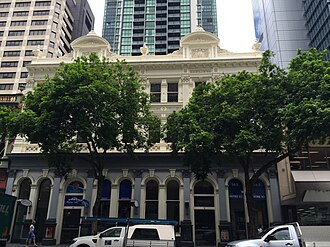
point(96, 207)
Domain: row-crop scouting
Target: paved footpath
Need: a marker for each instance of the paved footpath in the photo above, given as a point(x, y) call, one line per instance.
point(22, 245)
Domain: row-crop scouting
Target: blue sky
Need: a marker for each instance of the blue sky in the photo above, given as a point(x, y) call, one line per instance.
point(235, 23)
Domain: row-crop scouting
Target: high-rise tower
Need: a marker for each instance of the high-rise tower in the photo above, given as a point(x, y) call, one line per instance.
point(317, 15)
point(280, 27)
point(30, 27)
point(160, 24)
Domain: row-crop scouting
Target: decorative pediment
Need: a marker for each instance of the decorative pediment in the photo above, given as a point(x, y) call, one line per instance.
point(200, 44)
point(200, 37)
point(85, 45)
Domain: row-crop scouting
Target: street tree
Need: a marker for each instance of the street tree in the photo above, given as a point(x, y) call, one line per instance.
point(273, 111)
point(91, 104)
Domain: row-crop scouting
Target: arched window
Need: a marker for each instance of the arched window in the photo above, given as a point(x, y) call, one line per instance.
point(259, 196)
point(237, 212)
point(151, 200)
point(204, 214)
point(125, 193)
point(105, 199)
point(21, 211)
point(42, 207)
point(173, 201)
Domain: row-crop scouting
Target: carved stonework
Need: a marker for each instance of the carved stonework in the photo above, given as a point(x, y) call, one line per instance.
point(144, 49)
point(45, 172)
point(172, 173)
point(151, 173)
point(25, 172)
point(235, 173)
point(125, 173)
point(74, 173)
point(199, 53)
point(105, 172)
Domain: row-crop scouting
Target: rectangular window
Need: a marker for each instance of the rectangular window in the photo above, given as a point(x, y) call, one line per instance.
point(39, 22)
point(35, 42)
point(155, 89)
point(6, 86)
point(1, 33)
point(43, 3)
point(18, 23)
point(23, 4)
point(29, 53)
point(172, 92)
point(40, 12)
point(24, 74)
point(16, 33)
point(25, 63)
point(3, 14)
point(14, 43)
point(21, 13)
point(37, 32)
point(4, 5)
point(11, 53)
point(6, 75)
point(9, 64)
point(2, 23)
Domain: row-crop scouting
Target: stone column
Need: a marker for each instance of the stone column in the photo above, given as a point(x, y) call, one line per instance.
point(89, 192)
point(50, 224)
point(137, 191)
point(274, 201)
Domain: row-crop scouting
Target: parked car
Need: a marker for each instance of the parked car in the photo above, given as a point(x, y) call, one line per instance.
point(288, 235)
point(137, 235)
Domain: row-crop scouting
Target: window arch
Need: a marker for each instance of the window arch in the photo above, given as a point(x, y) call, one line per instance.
point(105, 199)
point(125, 194)
point(173, 200)
point(42, 207)
point(259, 196)
point(237, 212)
point(152, 199)
point(21, 211)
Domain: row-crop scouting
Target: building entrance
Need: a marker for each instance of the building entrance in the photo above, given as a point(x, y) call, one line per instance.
point(70, 225)
point(204, 227)
point(204, 214)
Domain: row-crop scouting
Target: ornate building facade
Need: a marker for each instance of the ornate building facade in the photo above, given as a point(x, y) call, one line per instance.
point(156, 183)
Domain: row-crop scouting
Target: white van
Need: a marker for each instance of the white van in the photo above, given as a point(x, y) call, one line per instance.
point(137, 235)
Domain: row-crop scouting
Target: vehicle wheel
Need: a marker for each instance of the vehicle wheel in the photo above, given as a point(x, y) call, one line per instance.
point(83, 245)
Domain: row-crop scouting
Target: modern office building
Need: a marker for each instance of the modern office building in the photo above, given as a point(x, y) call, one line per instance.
point(317, 15)
point(43, 27)
point(160, 24)
point(280, 27)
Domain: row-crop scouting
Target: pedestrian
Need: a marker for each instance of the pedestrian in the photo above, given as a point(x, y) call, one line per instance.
point(31, 236)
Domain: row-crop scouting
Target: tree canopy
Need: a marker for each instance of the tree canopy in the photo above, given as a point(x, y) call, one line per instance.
point(89, 103)
point(274, 111)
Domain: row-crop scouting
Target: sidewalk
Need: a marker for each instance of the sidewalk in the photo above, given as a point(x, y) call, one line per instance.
point(39, 245)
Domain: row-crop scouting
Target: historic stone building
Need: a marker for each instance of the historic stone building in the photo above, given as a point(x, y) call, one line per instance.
point(157, 182)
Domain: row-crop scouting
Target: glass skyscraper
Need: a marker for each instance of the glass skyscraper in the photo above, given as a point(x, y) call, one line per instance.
point(160, 24)
point(317, 15)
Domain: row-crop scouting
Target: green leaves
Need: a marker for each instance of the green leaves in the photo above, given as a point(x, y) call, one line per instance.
point(272, 110)
point(103, 103)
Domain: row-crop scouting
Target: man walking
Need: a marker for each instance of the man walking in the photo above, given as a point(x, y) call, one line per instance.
point(31, 235)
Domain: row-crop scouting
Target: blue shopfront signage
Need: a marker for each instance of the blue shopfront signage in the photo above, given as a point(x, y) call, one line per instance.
point(235, 189)
point(73, 201)
point(259, 192)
